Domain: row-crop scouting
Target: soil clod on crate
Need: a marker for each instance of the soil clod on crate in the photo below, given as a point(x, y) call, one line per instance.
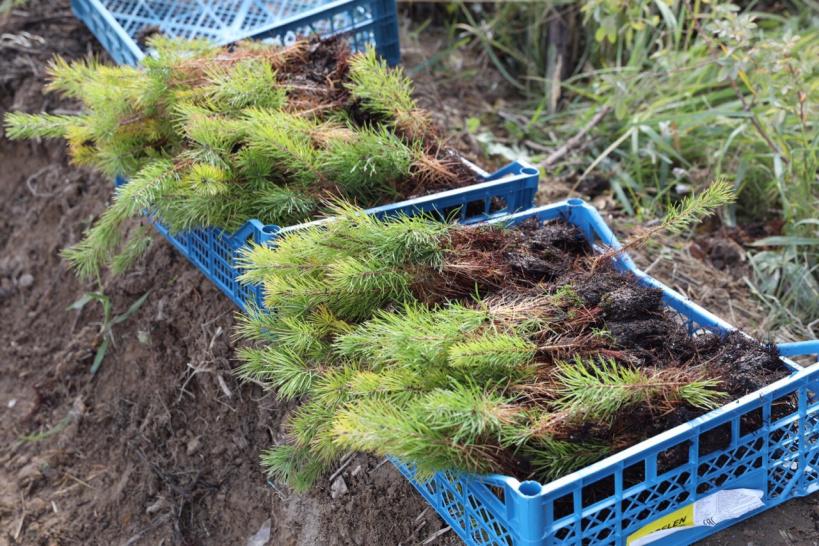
point(215, 136)
point(484, 349)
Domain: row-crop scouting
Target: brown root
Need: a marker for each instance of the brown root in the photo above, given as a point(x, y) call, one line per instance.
point(512, 309)
point(413, 125)
point(327, 133)
point(428, 171)
point(195, 72)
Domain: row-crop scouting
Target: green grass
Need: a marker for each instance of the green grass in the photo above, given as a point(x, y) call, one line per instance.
point(697, 91)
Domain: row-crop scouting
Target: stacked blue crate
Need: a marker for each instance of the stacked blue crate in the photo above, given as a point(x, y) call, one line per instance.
point(769, 455)
point(121, 26)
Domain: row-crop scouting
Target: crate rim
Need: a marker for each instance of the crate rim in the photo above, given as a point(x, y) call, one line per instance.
point(668, 438)
point(510, 172)
point(514, 171)
point(124, 37)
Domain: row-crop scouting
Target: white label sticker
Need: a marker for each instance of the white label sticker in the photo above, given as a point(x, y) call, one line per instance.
point(706, 512)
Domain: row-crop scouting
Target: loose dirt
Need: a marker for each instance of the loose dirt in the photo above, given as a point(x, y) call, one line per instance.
point(161, 446)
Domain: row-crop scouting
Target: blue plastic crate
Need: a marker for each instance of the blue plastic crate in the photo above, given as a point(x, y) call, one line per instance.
point(213, 251)
point(120, 25)
point(778, 460)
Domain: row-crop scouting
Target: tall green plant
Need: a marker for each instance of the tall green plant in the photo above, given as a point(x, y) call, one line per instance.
point(697, 90)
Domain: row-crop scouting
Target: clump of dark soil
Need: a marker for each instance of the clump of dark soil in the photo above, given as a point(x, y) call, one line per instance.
point(602, 312)
point(746, 364)
point(161, 446)
point(554, 256)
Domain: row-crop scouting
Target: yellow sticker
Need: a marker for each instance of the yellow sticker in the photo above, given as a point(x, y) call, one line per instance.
point(706, 512)
point(684, 517)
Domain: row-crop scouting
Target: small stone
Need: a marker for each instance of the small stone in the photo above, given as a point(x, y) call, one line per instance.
point(262, 536)
point(25, 280)
point(156, 506)
point(356, 471)
point(339, 488)
point(12, 403)
point(193, 445)
point(36, 505)
point(30, 472)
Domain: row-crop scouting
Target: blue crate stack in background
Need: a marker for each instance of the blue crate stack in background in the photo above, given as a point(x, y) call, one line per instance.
point(122, 26)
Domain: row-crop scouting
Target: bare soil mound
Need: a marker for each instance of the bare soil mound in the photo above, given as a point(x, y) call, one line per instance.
point(161, 446)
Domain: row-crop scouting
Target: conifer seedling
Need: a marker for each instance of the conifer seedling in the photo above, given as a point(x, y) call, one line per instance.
point(397, 341)
point(213, 137)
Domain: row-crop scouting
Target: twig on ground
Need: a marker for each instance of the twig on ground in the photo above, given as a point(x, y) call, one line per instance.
point(191, 375)
point(653, 264)
point(276, 490)
point(422, 514)
point(379, 465)
point(345, 462)
point(36, 175)
point(223, 385)
point(79, 481)
point(216, 334)
point(20, 526)
point(419, 527)
point(437, 534)
point(153, 525)
point(575, 141)
point(537, 146)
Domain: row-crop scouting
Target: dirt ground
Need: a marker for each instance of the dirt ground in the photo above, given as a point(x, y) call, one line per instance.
point(161, 445)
